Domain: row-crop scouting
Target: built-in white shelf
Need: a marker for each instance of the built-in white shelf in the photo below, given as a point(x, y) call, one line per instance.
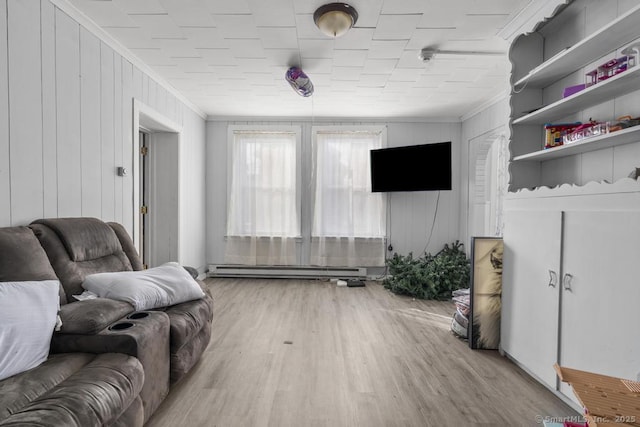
point(622, 84)
point(621, 137)
point(617, 33)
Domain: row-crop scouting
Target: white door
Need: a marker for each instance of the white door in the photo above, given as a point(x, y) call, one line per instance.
point(600, 315)
point(530, 291)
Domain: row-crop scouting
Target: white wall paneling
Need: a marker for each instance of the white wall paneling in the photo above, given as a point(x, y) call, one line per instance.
point(5, 172)
point(49, 124)
point(107, 130)
point(90, 135)
point(66, 124)
point(118, 137)
point(69, 163)
point(411, 213)
point(25, 100)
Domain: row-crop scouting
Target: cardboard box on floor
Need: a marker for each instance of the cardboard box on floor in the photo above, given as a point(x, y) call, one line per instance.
point(608, 401)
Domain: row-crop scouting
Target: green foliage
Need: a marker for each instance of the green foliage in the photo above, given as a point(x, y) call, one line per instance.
point(430, 276)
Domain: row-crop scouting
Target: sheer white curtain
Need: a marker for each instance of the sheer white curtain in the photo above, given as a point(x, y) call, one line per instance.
point(349, 220)
point(263, 213)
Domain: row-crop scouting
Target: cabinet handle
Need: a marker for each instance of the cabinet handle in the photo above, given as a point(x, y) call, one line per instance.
point(553, 278)
point(566, 282)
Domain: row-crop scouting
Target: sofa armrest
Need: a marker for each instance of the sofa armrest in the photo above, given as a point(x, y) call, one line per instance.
point(144, 335)
point(89, 317)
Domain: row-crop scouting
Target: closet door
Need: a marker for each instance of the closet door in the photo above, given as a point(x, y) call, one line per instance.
point(530, 290)
point(601, 293)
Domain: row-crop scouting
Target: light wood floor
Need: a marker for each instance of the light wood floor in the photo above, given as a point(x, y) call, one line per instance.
point(307, 353)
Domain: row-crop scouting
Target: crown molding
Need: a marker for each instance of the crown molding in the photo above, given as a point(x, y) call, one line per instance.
point(530, 16)
point(82, 19)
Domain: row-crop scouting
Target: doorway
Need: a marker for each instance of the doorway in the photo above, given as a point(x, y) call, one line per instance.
point(488, 179)
point(156, 174)
point(143, 135)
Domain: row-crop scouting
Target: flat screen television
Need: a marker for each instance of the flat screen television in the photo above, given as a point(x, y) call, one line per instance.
point(425, 167)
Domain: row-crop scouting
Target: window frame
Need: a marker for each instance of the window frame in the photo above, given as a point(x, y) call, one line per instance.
point(315, 130)
point(297, 130)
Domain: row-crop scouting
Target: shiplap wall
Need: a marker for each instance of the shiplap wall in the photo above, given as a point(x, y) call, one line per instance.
point(66, 105)
point(411, 214)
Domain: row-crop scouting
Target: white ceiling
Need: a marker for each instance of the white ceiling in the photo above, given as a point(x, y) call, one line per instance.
point(229, 57)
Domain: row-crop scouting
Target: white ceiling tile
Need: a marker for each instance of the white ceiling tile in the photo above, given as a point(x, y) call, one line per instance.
point(386, 49)
point(379, 66)
point(349, 58)
point(409, 59)
point(217, 56)
point(373, 80)
point(283, 57)
point(346, 73)
point(496, 6)
point(317, 65)
point(306, 6)
point(246, 48)
point(490, 44)
point(230, 58)
point(272, 13)
point(430, 37)
point(227, 7)
point(104, 13)
point(236, 26)
point(407, 6)
point(316, 48)
point(405, 74)
point(442, 14)
point(306, 28)
point(253, 64)
point(368, 12)
point(190, 13)
point(357, 38)
point(431, 80)
point(201, 37)
point(396, 27)
point(278, 37)
point(139, 6)
point(157, 26)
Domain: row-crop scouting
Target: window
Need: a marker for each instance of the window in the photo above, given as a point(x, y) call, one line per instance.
point(263, 217)
point(349, 219)
point(264, 194)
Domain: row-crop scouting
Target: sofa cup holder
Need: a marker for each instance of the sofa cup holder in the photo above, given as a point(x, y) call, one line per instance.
point(121, 326)
point(137, 316)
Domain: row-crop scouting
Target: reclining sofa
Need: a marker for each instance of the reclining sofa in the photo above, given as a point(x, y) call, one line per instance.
point(123, 359)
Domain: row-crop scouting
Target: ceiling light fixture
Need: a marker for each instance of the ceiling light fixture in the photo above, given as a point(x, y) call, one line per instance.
point(335, 19)
point(427, 54)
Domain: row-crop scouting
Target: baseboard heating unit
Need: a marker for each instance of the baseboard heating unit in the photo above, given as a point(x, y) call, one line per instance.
point(286, 272)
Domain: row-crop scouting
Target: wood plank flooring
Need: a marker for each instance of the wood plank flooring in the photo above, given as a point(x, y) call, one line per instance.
point(308, 353)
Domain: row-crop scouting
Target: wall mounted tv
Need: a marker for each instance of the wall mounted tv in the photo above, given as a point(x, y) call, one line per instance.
point(425, 167)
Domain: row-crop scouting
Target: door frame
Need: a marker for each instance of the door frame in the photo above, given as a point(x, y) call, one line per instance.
point(153, 121)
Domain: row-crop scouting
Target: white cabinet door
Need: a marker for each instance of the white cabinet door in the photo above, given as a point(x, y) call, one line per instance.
point(600, 316)
point(529, 304)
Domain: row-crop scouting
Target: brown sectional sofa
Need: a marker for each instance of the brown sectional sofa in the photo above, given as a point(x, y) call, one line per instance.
point(100, 340)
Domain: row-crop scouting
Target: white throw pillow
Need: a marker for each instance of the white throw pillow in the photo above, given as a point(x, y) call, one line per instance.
point(28, 314)
point(161, 286)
